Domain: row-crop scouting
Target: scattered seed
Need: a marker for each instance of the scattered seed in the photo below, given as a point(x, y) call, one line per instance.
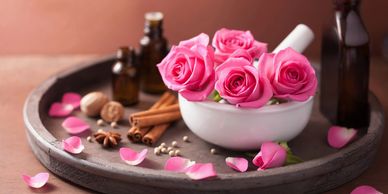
point(114, 125)
point(100, 130)
point(89, 139)
point(174, 144)
point(163, 150)
point(169, 149)
point(163, 144)
point(171, 153)
point(185, 138)
point(177, 153)
point(213, 151)
point(157, 151)
point(100, 122)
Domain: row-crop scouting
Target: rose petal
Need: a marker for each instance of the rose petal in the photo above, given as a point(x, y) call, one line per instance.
point(365, 189)
point(239, 164)
point(338, 137)
point(178, 164)
point(37, 181)
point(72, 98)
point(60, 110)
point(132, 157)
point(202, 39)
point(201, 171)
point(74, 125)
point(73, 145)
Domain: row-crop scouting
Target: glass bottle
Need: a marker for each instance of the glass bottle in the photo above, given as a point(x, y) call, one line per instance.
point(125, 79)
point(153, 48)
point(345, 67)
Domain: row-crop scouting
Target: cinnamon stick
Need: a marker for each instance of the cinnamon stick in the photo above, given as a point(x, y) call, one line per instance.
point(154, 134)
point(162, 100)
point(135, 134)
point(158, 119)
point(160, 110)
point(131, 133)
point(133, 130)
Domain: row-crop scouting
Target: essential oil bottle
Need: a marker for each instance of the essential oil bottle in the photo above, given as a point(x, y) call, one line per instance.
point(125, 79)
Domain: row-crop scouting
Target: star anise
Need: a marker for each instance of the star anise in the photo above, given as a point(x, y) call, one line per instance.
point(107, 138)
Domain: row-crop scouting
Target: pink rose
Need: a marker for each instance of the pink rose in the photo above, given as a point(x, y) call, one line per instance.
point(228, 41)
point(188, 68)
point(290, 73)
point(241, 53)
point(239, 82)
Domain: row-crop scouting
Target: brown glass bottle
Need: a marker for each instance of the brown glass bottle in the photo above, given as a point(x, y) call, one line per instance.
point(125, 79)
point(345, 67)
point(153, 48)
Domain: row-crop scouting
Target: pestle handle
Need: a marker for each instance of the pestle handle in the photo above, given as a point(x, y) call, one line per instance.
point(299, 39)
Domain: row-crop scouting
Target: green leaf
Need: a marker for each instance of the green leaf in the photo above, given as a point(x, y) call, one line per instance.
point(251, 154)
point(216, 96)
point(273, 101)
point(291, 158)
point(285, 146)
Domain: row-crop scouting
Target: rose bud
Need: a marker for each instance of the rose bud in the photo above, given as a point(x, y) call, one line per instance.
point(271, 155)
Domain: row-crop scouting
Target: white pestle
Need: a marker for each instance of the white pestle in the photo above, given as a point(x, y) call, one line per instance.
point(298, 39)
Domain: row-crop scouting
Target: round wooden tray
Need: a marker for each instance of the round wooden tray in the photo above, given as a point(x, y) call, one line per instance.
point(102, 169)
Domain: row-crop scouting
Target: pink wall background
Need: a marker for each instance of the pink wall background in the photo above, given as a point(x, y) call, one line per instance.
point(100, 26)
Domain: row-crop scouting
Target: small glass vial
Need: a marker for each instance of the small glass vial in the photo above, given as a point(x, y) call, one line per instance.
point(125, 79)
point(153, 48)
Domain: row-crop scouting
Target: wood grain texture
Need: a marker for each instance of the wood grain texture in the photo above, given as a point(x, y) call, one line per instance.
point(324, 168)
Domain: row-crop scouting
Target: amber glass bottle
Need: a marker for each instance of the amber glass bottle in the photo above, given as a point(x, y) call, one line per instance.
point(153, 48)
point(125, 79)
point(345, 67)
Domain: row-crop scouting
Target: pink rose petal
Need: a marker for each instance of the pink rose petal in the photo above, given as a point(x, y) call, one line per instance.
point(74, 125)
point(73, 145)
point(132, 157)
point(37, 181)
point(271, 155)
point(338, 137)
point(60, 110)
point(239, 164)
point(71, 98)
point(201, 171)
point(365, 189)
point(178, 164)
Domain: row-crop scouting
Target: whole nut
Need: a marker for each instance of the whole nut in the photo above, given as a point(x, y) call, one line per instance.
point(112, 111)
point(92, 103)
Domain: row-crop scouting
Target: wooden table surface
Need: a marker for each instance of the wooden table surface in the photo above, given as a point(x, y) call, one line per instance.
point(20, 74)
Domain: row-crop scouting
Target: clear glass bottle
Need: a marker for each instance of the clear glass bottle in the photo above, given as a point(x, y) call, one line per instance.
point(153, 48)
point(125, 79)
point(345, 67)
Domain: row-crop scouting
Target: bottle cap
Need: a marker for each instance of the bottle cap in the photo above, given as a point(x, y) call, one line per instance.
point(153, 16)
